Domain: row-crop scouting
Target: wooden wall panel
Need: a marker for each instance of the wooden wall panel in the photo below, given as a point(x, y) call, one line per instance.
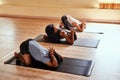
point(54, 3)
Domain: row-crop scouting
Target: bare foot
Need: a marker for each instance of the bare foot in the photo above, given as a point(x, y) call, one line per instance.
point(45, 36)
point(84, 24)
point(19, 56)
point(15, 54)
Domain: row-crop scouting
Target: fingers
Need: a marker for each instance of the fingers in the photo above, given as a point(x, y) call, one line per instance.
point(51, 50)
point(72, 29)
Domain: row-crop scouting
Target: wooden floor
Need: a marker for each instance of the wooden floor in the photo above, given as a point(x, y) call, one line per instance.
point(107, 56)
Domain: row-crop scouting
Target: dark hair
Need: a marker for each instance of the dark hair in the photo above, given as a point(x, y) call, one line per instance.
point(52, 36)
point(24, 46)
point(64, 20)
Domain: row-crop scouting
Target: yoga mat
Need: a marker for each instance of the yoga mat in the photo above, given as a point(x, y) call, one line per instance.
point(82, 42)
point(94, 32)
point(86, 31)
point(69, 65)
point(39, 38)
point(86, 42)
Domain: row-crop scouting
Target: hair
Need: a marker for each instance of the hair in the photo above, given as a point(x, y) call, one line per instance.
point(24, 46)
point(66, 23)
point(52, 36)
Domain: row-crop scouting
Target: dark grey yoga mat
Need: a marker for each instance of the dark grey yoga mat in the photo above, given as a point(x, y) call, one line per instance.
point(82, 42)
point(69, 65)
point(93, 32)
point(86, 42)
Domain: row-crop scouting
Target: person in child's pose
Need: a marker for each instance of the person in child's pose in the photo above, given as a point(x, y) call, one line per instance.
point(55, 34)
point(32, 53)
point(68, 22)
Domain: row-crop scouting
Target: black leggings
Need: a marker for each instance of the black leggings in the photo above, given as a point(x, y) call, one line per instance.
point(58, 57)
point(38, 64)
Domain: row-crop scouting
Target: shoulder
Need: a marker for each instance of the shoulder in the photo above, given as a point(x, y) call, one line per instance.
point(32, 42)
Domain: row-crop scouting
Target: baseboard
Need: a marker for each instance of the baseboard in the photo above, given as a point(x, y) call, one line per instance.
point(58, 18)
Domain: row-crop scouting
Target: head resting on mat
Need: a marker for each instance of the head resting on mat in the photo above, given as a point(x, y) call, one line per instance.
point(53, 36)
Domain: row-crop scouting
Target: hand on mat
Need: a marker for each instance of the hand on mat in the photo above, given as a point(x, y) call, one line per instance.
point(51, 51)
